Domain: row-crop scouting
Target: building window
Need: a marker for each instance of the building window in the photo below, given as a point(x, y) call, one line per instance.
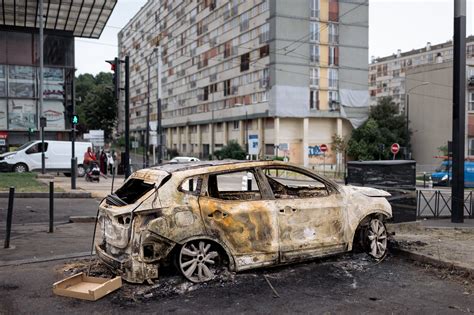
point(244, 21)
point(471, 146)
point(314, 77)
point(314, 31)
point(314, 99)
point(264, 51)
point(264, 33)
point(333, 78)
point(314, 8)
point(314, 52)
point(236, 125)
point(333, 33)
point(333, 10)
point(471, 102)
point(333, 56)
point(333, 100)
point(244, 62)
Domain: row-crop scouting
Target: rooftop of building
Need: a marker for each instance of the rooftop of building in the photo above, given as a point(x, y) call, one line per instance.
point(469, 39)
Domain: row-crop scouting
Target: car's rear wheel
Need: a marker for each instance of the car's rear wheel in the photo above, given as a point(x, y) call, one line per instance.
point(20, 168)
point(376, 239)
point(199, 260)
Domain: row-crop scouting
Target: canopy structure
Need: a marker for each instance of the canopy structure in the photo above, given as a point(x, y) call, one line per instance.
point(85, 18)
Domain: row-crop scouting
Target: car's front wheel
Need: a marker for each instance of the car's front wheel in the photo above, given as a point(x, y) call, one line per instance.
point(376, 239)
point(20, 168)
point(199, 260)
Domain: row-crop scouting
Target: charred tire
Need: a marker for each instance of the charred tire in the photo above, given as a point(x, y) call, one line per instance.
point(200, 260)
point(374, 238)
point(20, 168)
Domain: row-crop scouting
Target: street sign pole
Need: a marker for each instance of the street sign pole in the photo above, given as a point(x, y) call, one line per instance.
point(127, 119)
point(41, 61)
point(73, 135)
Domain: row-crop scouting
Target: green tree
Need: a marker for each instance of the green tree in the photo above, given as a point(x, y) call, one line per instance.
point(100, 110)
point(95, 104)
point(232, 150)
point(383, 128)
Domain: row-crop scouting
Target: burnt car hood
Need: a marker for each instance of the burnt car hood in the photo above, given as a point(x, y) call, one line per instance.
point(367, 191)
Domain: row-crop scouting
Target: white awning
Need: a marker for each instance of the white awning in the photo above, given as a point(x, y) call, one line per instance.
point(85, 18)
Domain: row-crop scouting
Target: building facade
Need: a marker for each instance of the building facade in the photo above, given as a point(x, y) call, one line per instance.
point(430, 111)
point(387, 75)
point(290, 74)
point(20, 108)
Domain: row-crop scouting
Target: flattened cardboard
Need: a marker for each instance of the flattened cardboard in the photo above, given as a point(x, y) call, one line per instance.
point(83, 287)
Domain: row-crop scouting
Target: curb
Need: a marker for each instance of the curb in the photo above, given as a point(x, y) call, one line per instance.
point(40, 260)
point(430, 260)
point(70, 195)
point(82, 219)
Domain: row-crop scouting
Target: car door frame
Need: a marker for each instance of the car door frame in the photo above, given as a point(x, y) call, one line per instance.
point(334, 221)
point(249, 248)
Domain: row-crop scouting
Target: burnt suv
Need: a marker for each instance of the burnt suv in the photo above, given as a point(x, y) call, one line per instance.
point(241, 215)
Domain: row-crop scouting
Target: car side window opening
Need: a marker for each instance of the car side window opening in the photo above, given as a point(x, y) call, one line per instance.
point(37, 148)
point(288, 184)
point(240, 185)
point(191, 185)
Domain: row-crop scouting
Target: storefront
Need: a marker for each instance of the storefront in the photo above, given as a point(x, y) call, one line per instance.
point(19, 64)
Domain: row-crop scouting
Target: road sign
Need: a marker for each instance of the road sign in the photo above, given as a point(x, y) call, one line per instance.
point(323, 148)
point(253, 144)
point(135, 144)
point(97, 137)
point(395, 148)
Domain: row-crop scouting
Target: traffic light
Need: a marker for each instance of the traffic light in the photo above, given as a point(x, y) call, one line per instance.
point(75, 119)
point(115, 67)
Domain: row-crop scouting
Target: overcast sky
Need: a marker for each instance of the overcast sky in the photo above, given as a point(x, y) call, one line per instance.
point(393, 24)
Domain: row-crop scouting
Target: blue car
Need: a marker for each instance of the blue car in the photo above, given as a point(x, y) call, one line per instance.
point(443, 174)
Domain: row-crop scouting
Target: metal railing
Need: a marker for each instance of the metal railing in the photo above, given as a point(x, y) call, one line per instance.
point(437, 203)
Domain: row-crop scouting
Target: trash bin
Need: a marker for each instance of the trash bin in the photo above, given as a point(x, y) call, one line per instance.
point(398, 177)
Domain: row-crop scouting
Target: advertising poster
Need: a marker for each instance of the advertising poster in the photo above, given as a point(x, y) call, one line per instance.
point(53, 91)
point(21, 81)
point(3, 114)
point(3, 85)
point(53, 75)
point(21, 114)
point(54, 113)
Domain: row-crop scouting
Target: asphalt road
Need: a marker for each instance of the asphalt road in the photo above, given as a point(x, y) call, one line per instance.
point(36, 210)
point(347, 284)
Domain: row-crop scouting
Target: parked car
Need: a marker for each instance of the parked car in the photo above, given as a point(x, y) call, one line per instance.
point(57, 157)
point(443, 174)
point(240, 215)
point(184, 159)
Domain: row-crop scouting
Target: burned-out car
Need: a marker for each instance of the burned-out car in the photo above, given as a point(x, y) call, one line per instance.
point(204, 216)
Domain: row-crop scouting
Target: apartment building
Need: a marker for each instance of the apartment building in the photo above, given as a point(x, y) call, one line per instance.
point(387, 75)
point(289, 75)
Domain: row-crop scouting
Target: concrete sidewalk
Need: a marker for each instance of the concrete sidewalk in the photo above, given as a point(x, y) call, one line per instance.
point(97, 190)
point(32, 243)
point(438, 242)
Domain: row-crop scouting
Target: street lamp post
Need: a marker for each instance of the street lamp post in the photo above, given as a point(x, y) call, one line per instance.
point(146, 155)
point(407, 111)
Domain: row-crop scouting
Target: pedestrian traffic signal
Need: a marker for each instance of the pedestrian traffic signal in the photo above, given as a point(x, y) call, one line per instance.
point(31, 130)
point(115, 67)
point(75, 119)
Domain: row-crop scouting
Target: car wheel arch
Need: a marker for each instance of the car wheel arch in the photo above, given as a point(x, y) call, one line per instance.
point(22, 164)
point(223, 246)
point(375, 213)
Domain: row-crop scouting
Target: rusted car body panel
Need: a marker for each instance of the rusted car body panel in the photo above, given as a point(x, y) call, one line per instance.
point(254, 228)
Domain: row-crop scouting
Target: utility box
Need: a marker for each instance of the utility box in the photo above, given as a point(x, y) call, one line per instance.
point(398, 177)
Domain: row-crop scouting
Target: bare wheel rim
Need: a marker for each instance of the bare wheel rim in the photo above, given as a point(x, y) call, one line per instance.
point(197, 261)
point(377, 239)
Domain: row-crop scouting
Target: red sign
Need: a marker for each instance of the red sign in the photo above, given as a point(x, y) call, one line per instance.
point(395, 148)
point(323, 148)
point(3, 135)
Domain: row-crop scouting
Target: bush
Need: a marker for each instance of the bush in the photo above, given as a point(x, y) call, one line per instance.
point(232, 150)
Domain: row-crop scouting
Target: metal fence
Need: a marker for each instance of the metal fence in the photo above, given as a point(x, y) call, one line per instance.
point(437, 203)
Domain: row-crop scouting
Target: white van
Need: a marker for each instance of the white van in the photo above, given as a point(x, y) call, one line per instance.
point(57, 157)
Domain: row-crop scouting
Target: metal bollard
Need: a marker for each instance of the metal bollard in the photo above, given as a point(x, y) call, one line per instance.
point(51, 206)
point(424, 179)
point(9, 217)
point(113, 179)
